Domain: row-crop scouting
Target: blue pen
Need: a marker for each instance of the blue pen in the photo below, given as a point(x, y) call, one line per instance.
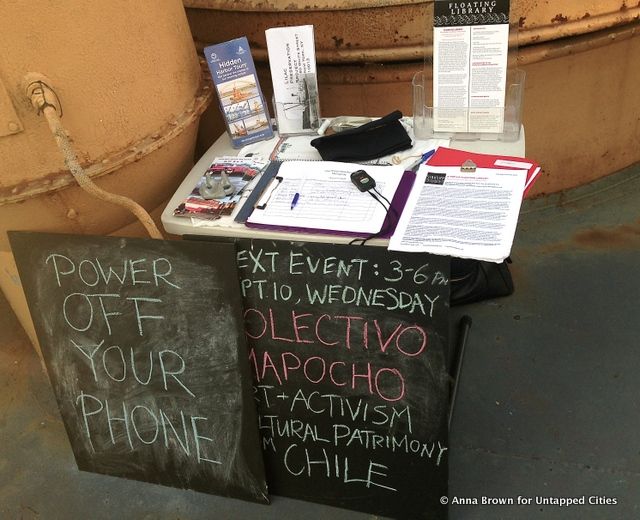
point(423, 158)
point(426, 156)
point(295, 200)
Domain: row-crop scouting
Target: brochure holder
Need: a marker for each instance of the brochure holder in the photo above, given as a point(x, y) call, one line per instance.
point(511, 113)
point(431, 122)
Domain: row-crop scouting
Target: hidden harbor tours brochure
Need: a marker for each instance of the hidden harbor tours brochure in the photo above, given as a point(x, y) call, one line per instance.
point(241, 101)
point(470, 50)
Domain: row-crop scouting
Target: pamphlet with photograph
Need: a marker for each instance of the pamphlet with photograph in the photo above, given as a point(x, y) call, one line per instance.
point(220, 188)
point(292, 60)
point(241, 101)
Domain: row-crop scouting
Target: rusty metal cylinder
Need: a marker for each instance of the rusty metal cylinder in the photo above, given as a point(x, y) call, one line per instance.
point(130, 87)
point(580, 57)
point(131, 92)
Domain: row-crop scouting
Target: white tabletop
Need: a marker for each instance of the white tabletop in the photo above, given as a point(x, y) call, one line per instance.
point(227, 227)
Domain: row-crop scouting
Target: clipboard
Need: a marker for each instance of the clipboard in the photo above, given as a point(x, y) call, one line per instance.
point(469, 161)
point(326, 199)
point(397, 203)
point(263, 183)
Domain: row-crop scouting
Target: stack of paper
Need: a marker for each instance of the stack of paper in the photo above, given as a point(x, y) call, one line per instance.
point(319, 196)
point(460, 208)
point(451, 157)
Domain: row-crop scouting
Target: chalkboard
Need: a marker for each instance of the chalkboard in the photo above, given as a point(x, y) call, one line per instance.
point(347, 346)
point(144, 346)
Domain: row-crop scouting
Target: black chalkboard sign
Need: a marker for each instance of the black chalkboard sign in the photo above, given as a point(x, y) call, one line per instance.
point(144, 346)
point(347, 346)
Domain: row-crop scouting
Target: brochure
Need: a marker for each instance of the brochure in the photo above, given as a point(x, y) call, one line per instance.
point(470, 50)
point(292, 60)
point(241, 101)
point(220, 189)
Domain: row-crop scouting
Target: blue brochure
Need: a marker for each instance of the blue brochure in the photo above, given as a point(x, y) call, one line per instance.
point(241, 101)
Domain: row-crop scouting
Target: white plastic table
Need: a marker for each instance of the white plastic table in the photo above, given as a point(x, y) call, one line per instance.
point(227, 227)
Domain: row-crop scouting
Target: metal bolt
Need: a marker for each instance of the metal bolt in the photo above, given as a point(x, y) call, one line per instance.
point(13, 126)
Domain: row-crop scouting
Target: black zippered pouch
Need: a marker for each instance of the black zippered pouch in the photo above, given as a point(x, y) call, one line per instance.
point(374, 139)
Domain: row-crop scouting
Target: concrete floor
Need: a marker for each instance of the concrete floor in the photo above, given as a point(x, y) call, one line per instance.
point(547, 407)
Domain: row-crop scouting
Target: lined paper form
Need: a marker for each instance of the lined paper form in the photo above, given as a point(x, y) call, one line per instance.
point(327, 198)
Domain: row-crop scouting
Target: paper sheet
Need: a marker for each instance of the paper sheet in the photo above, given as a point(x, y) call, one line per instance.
point(467, 215)
point(327, 200)
point(470, 49)
point(449, 156)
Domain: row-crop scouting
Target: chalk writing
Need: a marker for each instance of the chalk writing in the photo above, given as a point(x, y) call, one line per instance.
point(144, 345)
point(346, 349)
point(113, 364)
point(146, 420)
point(92, 272)
point(350, 272)
point(114, 355)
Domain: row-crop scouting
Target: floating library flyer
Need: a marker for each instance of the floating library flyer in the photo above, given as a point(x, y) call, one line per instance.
point(241, 101)
point(470, 51)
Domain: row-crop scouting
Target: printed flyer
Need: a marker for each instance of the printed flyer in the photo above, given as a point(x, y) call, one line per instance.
point(470, 49)
point(219, 190)
point(241, 100)
point(292, 60)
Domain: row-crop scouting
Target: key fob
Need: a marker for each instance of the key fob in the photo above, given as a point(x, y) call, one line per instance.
point(362, 180)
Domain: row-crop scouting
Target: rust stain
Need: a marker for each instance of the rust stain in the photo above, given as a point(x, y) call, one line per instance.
point(29, 184)
point(623, 7)
point(552, 249)
point(560, 18)
point(586, 15)
point(521, 21)
point(339, 42)
point(620, 237)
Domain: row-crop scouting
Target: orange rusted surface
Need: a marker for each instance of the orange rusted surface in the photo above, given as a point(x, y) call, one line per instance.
point(581, 107)
point(582, 111)
point(388, 31)
point(622, 237)
point(131, 90)
point(121, 72)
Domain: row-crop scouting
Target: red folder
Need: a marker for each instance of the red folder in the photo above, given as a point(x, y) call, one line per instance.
point(451, 157)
